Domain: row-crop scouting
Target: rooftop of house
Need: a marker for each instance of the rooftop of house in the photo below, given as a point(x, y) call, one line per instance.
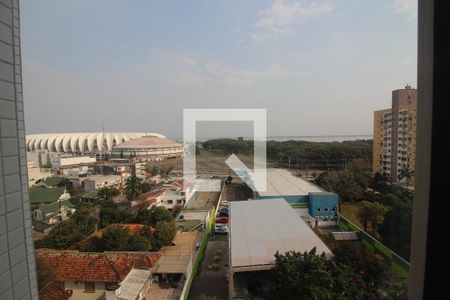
point(53, 207)
point(91, 195)
point(133, 284)
point(150, 195)
point(52, 291)
point(183, 242)
point(52, 180)
point(172, 264)
point(45, 195)
point(70, 265)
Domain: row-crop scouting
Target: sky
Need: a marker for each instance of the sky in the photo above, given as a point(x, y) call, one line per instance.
point(319, 67)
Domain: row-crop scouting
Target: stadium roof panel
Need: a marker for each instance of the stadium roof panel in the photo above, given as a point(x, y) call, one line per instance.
point(146, 142)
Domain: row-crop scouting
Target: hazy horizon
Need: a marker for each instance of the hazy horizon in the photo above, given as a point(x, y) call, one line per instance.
point(319, 67)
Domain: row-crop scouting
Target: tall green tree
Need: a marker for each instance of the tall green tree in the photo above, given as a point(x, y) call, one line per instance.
point(115, 238)
point(395, 231)
point(406, 174)
point(365, 213)
point(146, 187)
point(133, 187)
point(139, 243)
point(165, 232)
point(371, 213)
point(152, 216)
point(61, 236)
point(110, 213)
point(84, 221)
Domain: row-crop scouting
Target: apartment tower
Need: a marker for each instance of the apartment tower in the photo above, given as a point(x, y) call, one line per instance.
point(17, 265)
point(394, 135)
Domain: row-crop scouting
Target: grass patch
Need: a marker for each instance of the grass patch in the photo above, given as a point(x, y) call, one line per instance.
point(350, 211)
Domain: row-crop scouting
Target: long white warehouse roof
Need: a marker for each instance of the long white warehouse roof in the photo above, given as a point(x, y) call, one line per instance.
point(81, 142)
point(260, 228)
point(281, 182)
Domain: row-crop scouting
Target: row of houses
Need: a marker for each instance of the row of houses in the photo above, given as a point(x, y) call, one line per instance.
point(124, 275)
point(89, 275)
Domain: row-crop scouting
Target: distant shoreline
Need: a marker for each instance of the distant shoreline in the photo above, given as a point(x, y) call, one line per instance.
point(308, 138)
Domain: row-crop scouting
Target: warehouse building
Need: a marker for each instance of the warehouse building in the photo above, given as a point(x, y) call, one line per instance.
point(307, 199)
point(258, 229)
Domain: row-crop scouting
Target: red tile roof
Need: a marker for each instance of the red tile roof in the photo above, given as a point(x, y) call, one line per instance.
point(123, 262)
point(92, 266)
point(52, 291)
point(132, 229)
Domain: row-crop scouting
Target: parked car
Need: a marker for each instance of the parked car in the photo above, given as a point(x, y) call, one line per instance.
point(225, 202)
point(223, 214)
point(220, 229)
point(222, 220)
point(225, 209)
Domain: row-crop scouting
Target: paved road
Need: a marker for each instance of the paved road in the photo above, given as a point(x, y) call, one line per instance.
point(212, 282)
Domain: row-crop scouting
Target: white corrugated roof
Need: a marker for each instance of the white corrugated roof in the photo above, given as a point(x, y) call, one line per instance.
point(258, 229)
point(134, 283)
point(281, 182)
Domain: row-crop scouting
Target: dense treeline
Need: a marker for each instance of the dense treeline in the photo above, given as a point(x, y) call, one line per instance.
point(298, 153)
point(385, 210)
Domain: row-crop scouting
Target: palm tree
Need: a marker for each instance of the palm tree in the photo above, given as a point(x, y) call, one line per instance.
point(132, 187)
point(407, 174)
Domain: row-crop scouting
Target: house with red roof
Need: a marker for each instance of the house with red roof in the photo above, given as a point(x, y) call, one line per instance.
point(168, 195)
point(88, 275)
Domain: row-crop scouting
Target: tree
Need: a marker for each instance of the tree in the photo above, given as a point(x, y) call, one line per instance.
point(155, 171)
point(310, 276)
point(108, 193)
point(379, 181)
point(406, 174)
point(146, 187)
point(165, 232)
point(115, 238)
point(378, 212)
point(61, 236)
point(84, 221)
point(228, 180)
point(369, 269)
point(371, 213)
point(110, 213)
point(152, 216)
point(395, 231)
point(132, 187)
point(365, 213)
point(139, 243)
point(165, 170)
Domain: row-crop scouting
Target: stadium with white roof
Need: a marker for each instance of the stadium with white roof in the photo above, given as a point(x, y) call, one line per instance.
point(82, 143)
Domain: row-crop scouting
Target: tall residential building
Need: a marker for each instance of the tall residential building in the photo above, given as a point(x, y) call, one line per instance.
point(394, 135)
point(17, 265)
